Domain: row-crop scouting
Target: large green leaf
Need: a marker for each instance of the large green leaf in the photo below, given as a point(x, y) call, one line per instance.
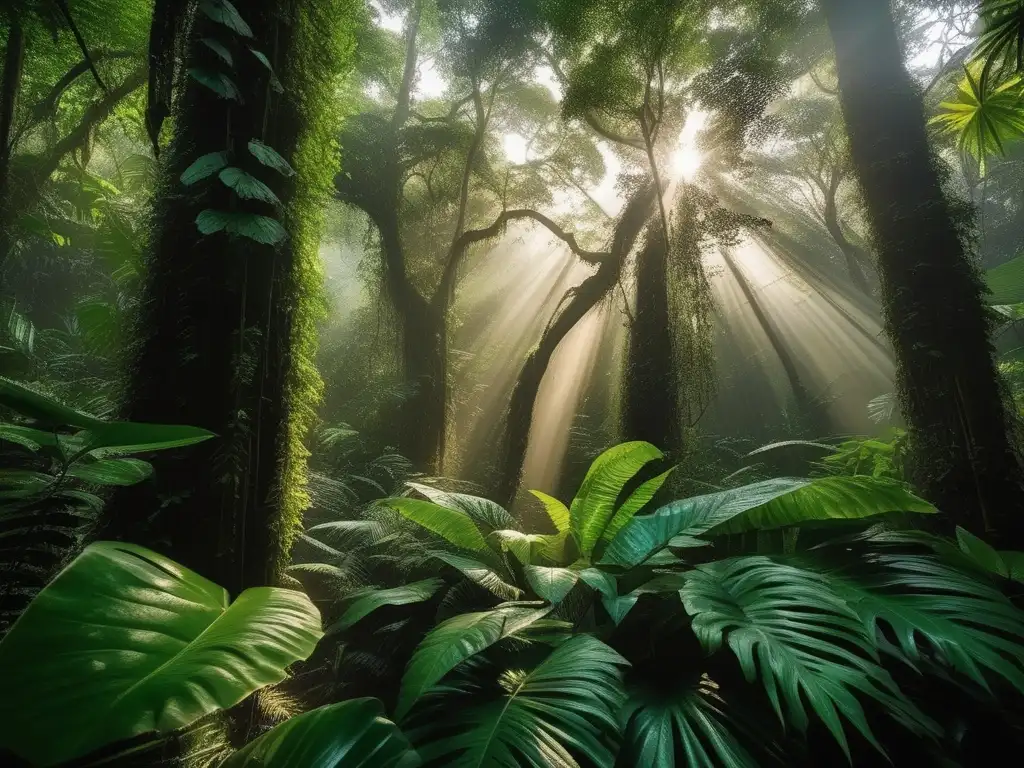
point(217, 82)
point(788, 626)
point(44, 409)
point(481, 511)
point(261, 229)
point(27, 437)
point(480, 573)
point(457, 639)
point(270, 157)
point(692, 721)
point(111, 471)
point(121, 437)
point(223, 12)
point(363, 604)
point(125, 641)
point(204, 167)
point(566, 706)
point(557, 511)
point(247, 186)
point(551, 584)
point(927, 602)
point(594, 506)
point(767, 505)
point(634, 504)
point(351, 734)
point(535, 548)
point(450, 524)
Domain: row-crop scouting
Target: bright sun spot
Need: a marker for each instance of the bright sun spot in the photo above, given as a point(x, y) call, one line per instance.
point(515, 148)
point(686, 159)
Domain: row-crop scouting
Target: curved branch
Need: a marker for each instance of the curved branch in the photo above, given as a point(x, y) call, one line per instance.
point(62, 5)
point(458, 250)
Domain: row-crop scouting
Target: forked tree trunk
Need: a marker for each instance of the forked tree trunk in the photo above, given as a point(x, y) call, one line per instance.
point(934, 314)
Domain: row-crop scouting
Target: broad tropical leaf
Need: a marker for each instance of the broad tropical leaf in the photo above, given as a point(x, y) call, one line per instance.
point(351, 734)
point(634, 504)
point(163, 648)
point(457, 639)
point(362, 605)
point(551, 584)
point(924, 600)
point(789, 627)
point(204, 167)
point(27, 437)
point(450, 524)
point(225, 13)
point(480, 573)
point(694, 719)
point(594, 506)
point(536, 548)
point(247, 186)
point(217, 82)
point(480, 510)
point(111, 471)
point(120, 437)
point(261, 229)
point(270, 158)
point(565, 706)
point(557, 511)
point(770, 504)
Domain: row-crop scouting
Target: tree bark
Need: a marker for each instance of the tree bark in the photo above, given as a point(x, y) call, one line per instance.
point(651, 408)
point(581, 300)
point(214, 337)
point(14, 59)
point(946, 376)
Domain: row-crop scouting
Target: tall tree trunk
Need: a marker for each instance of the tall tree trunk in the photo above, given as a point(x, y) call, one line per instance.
point(809, 411)
point(946, 375)
point(651, 407)
point(14, 59)
point(216, 335)
point(582, 300)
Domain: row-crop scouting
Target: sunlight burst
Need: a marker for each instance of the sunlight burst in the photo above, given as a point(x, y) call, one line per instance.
point(686, 162)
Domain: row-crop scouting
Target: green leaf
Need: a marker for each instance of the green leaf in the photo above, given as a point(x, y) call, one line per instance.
point(563, 708)
point(619, 606)
point(691, 722)
point(223, 12)
point(452, 525)
point(33, 439)
point(927, 602)
point(534, 548)
point(248, 187)
point(111, 471)
point(162, 648)
point(601, 581)
point(481, 511)
point(790, 627)
point(981, 552)
point(42, 408)
point(557, 511)
point(274, 82)
point(592, 509)
point(766, 505)
point(455, 640)
point(270, 158)
point(123, 437)
point(551, 584)
point(20, 483)
point(480, 573)
point(262, 229)
point(217, 82)
point(351, 734)
point(204, 167)
point(220, 49)
point(362, 605)
point(634, 504)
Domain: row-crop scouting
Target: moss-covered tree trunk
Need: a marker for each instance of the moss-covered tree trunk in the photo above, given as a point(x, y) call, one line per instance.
point(934, 314)
point(651, 404)
point(10, 84)
point(226, 331)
